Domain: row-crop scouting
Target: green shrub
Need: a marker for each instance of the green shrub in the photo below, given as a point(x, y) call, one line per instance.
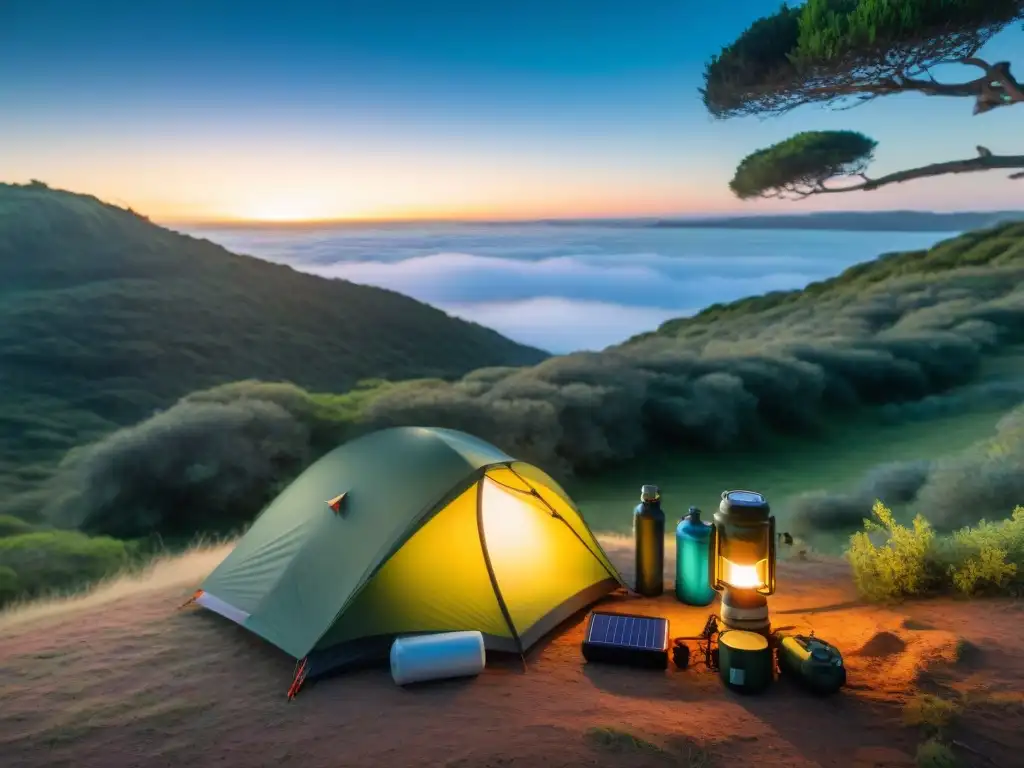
point(57, 561)
point(892, 561)
point(899, 566)
point(988, 558)
point(988, 569)
point(208, 464)
point(9, 588)
point(13, 526)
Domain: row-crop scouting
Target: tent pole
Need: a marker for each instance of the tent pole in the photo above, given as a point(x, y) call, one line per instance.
point(490, 568)
point(554, 514)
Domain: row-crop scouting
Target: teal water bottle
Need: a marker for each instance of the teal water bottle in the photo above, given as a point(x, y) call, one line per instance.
point(649, 540)
point(692, 552)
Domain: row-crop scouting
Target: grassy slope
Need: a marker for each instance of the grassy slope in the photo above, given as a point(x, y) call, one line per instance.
point(989, 249)
point(105, 317)
point(782, 470)
point(834, 460)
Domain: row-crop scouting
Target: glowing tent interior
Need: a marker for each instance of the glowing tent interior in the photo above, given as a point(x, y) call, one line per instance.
point(404, 531)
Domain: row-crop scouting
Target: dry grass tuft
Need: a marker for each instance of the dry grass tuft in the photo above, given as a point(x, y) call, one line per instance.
point(930, 713)
point(935, 754)
point(620, 741)
point(613, 739)
point(184, 570)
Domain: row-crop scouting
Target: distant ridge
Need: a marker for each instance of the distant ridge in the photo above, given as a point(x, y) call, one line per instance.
point(868, 221)
point(841, 221)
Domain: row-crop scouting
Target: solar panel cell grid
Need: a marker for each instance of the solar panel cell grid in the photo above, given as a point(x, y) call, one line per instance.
point(616, 638)
point(629, 631)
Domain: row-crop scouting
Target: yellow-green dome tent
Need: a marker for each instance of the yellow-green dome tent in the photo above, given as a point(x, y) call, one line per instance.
point(403, 531)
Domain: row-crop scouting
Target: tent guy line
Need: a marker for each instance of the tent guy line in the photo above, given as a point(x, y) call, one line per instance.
point(533, 492)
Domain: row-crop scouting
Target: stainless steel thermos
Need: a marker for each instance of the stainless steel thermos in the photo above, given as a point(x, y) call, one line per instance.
point(649, 540)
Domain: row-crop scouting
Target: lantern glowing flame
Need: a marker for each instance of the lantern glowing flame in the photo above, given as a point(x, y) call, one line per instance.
point(743, 576)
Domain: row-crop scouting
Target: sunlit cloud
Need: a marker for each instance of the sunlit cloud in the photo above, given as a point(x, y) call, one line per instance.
point(562, 325)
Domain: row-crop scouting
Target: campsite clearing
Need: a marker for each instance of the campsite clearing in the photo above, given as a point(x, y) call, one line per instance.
point(124, 678)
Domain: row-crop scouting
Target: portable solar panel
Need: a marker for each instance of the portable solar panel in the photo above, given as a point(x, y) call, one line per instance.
point(619, 638)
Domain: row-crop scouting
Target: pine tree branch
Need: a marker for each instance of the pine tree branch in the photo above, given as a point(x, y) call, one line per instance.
point(983, 162)
point(999, 74)
point(996, 88)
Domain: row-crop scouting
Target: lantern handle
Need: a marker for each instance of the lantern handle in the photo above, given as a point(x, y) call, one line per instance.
point(713, 558)
point(769, 588)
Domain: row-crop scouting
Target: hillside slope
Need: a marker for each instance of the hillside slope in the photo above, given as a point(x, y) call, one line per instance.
point(891, 331)
point(877, 295)
point(105, 317)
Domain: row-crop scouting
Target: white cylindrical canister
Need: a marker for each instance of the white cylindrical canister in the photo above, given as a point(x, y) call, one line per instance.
point(419, 658)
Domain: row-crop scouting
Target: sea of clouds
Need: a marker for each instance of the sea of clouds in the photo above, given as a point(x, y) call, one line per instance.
point(566, 288)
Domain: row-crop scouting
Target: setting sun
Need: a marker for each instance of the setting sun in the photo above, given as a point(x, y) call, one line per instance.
point(272, 210)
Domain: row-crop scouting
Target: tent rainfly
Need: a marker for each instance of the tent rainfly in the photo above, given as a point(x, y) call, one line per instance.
point(404, 531)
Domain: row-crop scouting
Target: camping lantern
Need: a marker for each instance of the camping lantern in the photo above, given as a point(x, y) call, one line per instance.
point(741, 564)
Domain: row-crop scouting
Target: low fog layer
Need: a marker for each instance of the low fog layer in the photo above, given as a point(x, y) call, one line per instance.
point(565, 289)
point(710, 384)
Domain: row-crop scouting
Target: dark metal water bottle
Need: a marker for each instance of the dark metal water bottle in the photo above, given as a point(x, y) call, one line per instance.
point(649, 540)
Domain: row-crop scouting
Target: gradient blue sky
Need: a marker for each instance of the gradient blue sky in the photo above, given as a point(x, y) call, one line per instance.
point(377, 108)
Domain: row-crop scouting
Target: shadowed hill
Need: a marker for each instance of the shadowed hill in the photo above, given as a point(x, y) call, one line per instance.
point(105, 317)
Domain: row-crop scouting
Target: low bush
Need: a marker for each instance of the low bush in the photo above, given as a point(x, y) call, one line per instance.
point(13, 526)
point(208, 464)
point(891, 561)
point(961, 488)
point(34, 564)
point(897, 566)
point(9, 589)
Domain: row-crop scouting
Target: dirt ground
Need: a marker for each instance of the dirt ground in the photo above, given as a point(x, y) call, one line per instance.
point(124, 678)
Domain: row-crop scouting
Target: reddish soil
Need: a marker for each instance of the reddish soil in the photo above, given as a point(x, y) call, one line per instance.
point(123, 678)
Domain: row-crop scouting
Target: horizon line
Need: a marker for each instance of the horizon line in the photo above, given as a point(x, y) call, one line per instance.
point(208, 221)
point(369, 220)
